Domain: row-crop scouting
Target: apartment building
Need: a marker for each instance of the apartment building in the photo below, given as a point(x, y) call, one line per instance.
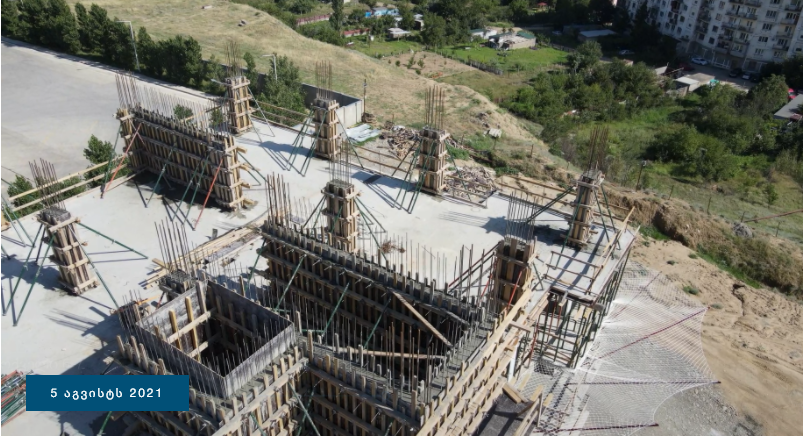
point(730, 33)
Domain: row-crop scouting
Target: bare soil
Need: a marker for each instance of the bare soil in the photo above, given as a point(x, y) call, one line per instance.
point(435, 66)
point(753, 339)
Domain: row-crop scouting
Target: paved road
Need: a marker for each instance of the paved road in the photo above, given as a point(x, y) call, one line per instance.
point(721, 75)
point(37, 86)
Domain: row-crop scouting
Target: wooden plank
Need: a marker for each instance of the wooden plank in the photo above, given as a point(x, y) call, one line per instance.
point(189, 326)
point(190, 318)
point(512, 393)
point(421, 318)
point(80, 172)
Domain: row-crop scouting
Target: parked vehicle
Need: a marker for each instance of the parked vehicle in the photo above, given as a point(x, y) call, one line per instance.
point(735, 73)
point(699, 61)
point(792, 94)
point(626, 52)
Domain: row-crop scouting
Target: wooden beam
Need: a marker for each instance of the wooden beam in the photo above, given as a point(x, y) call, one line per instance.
point(348, 416)
point(170, 339)
point(232, 424)
point(421, 318)
point(174, 323)
point(512, 393)
point(190, 317)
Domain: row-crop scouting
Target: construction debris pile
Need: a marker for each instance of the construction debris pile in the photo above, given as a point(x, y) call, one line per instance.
point(401, 139)
point(13, 395)
point(474, 179)
point(482, 118)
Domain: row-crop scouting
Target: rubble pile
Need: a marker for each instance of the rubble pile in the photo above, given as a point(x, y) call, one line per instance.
point(400, 139)
point(476, 179)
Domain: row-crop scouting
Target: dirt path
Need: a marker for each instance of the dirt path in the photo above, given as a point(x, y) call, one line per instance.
point(753, 339)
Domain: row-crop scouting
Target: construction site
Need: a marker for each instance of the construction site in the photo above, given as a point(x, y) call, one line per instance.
point(308, 286)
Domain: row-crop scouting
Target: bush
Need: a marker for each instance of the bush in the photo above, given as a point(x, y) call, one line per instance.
point(691, 290)
point(459, 154)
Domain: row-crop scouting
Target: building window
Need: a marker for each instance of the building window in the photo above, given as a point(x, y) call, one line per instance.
point(710, 40)
point(767, 26)
point(751, 11)
point(772, 14)
point(776, 2)
point(721, 5)
point(759, 52)
point(791, 16)
point(762, 39)
point(716, 28)
point(719, 16)
point(778, 53)
point(783, 42)
point(682, 19)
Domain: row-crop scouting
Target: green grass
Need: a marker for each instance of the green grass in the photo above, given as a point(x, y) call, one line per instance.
point(691, 290)
point(722, 264)
point(513, 60)
point(492, 86)
point(459, 154)
point(384, 48)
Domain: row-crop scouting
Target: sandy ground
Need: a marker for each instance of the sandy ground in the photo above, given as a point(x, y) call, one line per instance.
point(754, 344)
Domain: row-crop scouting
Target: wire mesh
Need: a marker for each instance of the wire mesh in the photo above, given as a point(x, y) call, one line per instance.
point(647, 350)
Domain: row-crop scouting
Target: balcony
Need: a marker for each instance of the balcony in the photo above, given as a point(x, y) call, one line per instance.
point(753, 2)
point(783, 34)
point(792, 7)
point(705, 17)
point(784, 46)
point(739, 2)
point(701, 29)
point(735, 52)
point(723, 37)
point(789, 20)
point(730, 25)
point(742, 14)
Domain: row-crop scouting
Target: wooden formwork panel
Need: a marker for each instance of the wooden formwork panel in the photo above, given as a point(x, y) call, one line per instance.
point(184, 154)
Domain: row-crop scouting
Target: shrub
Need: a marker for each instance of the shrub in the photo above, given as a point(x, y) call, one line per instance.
point(691, 290)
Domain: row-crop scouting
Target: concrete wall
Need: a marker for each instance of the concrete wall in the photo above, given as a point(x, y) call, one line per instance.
point(351, 108)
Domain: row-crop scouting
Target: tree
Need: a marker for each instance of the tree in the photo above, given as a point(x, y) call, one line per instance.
point(22, 185)
point(284, 88)
point(766, 97)
point(149, 55)
point(181, 57)
point(336, 19)
point(370, 3)
point(434, 33)
point(98, 151)
point(586, 56)
point(251, 71)
point(95, 28)
point(181, 112)
point(564, 12)
point(407, 17)
point(770, 194)
point(11, 25)
point(603, 11)
point(84, 28)
point(519, 10)
point(302, 6)
point(117, 48)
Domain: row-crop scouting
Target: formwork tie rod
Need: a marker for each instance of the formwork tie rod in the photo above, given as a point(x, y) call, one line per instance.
point(115, 241)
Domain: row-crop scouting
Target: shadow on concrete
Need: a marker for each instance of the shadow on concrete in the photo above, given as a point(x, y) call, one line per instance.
point(105, 328)
point(11, 270)
point(490, 225)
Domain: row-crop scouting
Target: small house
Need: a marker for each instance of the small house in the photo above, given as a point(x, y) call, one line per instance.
point(483, 33)
point(592, 35)
point(396, 33)
point(792, 111)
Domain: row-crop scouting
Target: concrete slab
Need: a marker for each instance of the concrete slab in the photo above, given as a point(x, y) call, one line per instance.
point(63, 334)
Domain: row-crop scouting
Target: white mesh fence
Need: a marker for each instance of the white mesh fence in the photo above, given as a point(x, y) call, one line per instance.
point(647, 349)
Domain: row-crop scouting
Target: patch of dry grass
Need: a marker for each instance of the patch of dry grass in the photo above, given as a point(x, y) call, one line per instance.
point(393, 93)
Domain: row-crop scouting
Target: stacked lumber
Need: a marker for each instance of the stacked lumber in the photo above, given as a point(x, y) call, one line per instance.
point(14, 395)
point(228, 243)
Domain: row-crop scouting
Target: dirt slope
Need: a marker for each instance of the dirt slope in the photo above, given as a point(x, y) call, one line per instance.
point(754, 342)
point(393, 93)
